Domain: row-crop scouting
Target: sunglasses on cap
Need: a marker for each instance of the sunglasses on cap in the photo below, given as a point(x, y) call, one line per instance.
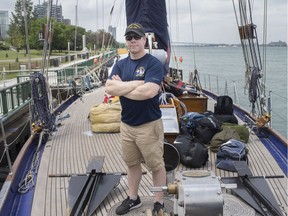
point(130, 37)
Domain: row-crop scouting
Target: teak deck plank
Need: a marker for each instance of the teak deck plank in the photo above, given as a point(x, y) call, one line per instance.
point(69, 149)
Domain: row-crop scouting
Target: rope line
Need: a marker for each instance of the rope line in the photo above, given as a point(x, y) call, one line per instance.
point(22, 130)
point(28, 181)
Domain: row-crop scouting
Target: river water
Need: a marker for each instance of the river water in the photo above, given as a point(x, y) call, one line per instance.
point(225, 65)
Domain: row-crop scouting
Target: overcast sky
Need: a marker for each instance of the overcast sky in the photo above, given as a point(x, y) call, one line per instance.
point(213, 20)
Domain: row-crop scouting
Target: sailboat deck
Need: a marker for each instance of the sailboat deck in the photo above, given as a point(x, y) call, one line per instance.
point(73, 144)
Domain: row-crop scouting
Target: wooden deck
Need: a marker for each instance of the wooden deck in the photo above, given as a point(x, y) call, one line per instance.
point(73, 144)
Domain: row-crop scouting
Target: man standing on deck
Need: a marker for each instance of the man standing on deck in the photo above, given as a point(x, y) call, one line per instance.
point(137, 79)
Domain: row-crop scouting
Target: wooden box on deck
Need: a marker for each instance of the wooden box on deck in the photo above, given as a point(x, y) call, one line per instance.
point(194, 103)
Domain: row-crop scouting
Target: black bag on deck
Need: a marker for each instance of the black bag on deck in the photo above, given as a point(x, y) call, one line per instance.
point(223, 106)
point(192, 154)
point(188, 122)
point(226, 119)
point(206, 128)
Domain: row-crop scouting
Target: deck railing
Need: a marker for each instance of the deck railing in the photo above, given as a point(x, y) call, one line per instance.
point(11, 98)
point(59, 73)
point(14, 96)
point(36, 63)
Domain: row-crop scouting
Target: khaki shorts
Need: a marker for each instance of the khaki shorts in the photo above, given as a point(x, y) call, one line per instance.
point(143, 142)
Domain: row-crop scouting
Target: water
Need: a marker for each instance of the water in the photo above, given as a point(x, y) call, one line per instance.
point(227, 63)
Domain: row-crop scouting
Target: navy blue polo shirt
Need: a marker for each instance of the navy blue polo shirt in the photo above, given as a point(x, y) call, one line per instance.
point(149, 69)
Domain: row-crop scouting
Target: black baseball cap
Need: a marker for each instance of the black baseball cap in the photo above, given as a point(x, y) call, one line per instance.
point(136, 28)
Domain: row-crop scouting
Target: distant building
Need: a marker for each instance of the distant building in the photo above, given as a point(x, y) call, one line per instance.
point(67, 21)
point(56, 13)
point(278, 44)
point(4, 24)
point(112, 31)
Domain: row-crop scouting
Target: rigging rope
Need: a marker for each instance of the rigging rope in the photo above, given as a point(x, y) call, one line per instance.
point(117, 20)
point(174, 59)
point(76, 25)
point(109, 24)
point(103, 37)
point(196, 79)
point(264, 48)
point(192, 35)
point(255, 83)
point(47, 36)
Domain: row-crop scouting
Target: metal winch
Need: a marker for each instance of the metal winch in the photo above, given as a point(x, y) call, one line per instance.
point(196, 192)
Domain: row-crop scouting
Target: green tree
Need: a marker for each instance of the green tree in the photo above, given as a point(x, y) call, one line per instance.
point(61, 36)
point(91, 38)
point(16, 38)
point(36, 27)
point(108, 39)
point(80, 31)
point(70, 37)
point(97, 39)
point(17, 24)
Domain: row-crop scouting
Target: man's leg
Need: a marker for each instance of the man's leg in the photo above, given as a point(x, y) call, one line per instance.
point(133, 201)
point(134, 178)
point(159, 179)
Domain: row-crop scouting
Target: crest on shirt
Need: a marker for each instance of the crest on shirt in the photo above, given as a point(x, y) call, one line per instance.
point(140, 72)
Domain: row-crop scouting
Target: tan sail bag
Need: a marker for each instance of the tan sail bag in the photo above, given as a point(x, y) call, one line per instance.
point(105, 117)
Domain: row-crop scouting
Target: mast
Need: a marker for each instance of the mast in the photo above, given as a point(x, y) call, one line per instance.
point(76, 24)
point(47, 41)
point(26, 34)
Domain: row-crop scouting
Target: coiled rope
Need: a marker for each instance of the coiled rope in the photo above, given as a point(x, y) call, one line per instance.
point(40, 112)
point(253, 86)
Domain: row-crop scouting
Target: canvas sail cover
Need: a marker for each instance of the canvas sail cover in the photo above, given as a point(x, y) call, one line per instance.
point(152, 16)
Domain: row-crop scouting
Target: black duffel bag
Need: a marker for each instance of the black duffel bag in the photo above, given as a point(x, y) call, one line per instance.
point(206, 128)
point(192, 154)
